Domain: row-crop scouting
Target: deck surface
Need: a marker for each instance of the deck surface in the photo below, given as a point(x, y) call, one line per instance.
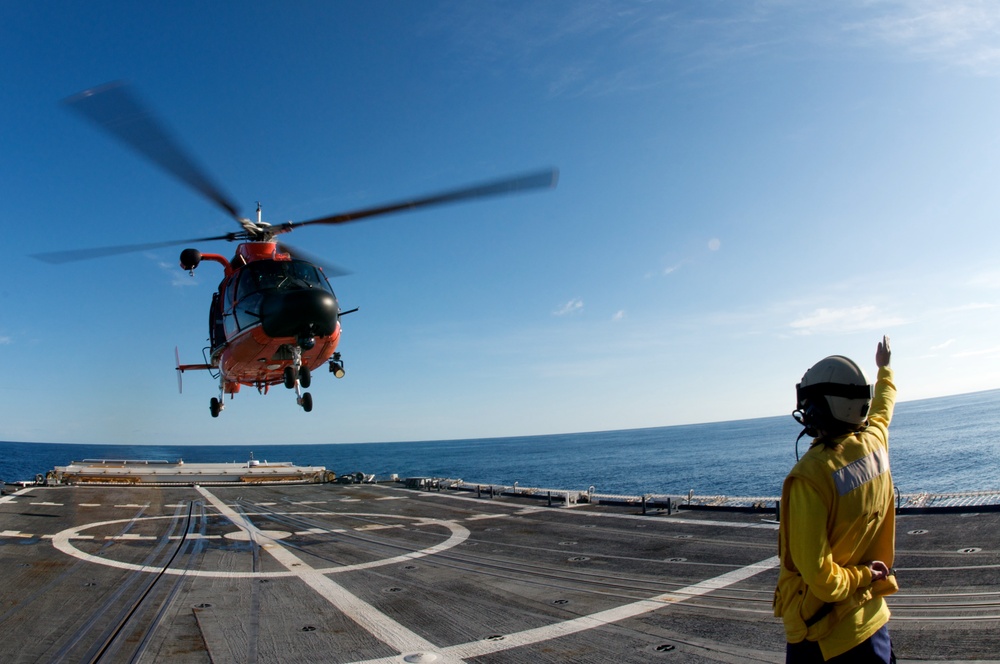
point(378, 573)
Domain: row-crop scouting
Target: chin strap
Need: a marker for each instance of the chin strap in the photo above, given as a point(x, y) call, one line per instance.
point(804, 432)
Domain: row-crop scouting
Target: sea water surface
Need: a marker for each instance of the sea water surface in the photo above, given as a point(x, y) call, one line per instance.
point(939, 445)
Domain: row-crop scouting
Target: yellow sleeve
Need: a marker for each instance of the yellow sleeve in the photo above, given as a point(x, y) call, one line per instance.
point(883, 403)
point(809, 546)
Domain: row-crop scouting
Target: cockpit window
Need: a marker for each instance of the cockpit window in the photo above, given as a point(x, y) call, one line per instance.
point(281, 275)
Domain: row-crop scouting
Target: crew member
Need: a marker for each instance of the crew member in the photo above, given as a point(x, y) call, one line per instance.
point(837, 536)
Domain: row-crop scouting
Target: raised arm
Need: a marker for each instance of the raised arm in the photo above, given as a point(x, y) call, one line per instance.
point(883, 354)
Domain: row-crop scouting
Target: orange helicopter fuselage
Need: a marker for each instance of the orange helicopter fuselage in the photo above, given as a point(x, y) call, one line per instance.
point(271, 312)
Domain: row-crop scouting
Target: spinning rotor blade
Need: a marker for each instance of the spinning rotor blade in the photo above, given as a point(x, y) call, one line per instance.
point(539, 180)
point(329, 269)
point(116, 110)
point(56, 257)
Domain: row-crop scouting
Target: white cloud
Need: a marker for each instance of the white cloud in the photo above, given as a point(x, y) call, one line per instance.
point(5, 341)
point(576, 304)
point(983, 352)
point(620, 314)
point(178, 277)
point(942, 346)
point(963, 33)
point(847, 319)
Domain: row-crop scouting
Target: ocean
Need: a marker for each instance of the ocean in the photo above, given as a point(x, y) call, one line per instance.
point(940, 445)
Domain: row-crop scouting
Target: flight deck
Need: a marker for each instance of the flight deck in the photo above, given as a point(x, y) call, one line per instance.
point(381, 573)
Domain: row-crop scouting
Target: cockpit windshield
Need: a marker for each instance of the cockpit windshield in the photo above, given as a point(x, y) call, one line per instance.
point(281, 275)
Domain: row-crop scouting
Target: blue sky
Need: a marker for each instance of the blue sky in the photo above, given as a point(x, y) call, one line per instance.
point(745, 188)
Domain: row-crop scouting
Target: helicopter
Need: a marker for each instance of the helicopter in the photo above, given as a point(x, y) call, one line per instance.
point(274, 318)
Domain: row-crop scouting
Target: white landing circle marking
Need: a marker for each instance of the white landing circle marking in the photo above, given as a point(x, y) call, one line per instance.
point(244, 536)
point(63, 541)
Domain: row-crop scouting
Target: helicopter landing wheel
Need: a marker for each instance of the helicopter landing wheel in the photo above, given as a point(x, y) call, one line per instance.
point(305, 376)
point(215, 407)
point(291, 375)
point(306, 401)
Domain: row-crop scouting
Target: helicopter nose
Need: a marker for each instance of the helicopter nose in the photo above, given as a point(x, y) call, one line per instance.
point(300, 313)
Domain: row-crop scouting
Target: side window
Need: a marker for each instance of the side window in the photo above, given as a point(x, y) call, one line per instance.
point(216, 332)
point(229, 295)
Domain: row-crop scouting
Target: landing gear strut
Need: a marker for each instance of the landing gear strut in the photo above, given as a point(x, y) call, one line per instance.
point(298, 376)
point(216, 405)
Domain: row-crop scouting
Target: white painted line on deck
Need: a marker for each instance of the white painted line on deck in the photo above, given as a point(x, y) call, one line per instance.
point(47, 504)
point(20, 492)
point(481, 517)
point(90, 504)
point(595, 620)
point(601, 618)
point(371, 619)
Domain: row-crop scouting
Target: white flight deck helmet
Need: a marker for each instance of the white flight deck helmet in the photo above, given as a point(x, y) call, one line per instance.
point(833, 397)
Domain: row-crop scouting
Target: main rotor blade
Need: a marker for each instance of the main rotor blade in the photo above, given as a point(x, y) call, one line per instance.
point(56, 257)
point(539, 180)
point(116, 110)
